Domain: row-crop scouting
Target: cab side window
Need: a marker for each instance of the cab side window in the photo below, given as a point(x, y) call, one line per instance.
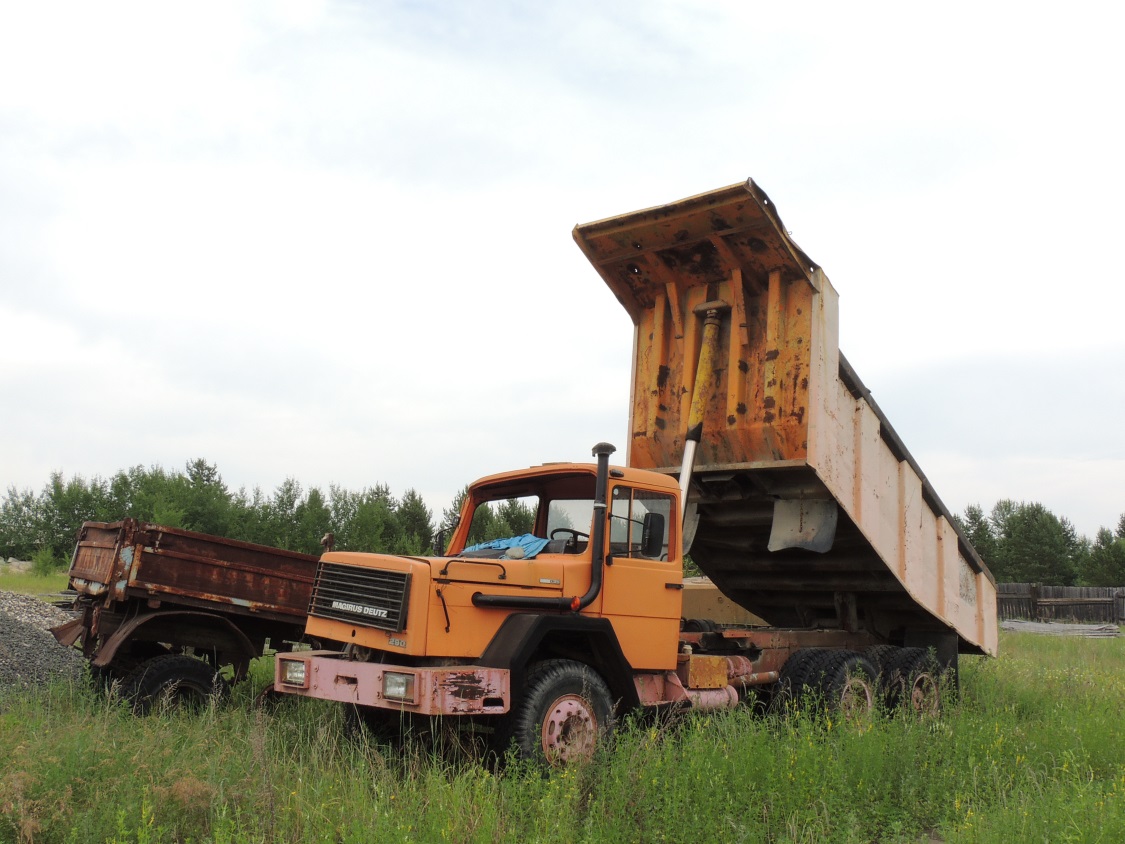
point(640, 523)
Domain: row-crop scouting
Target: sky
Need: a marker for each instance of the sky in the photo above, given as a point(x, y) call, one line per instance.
point(331, 241)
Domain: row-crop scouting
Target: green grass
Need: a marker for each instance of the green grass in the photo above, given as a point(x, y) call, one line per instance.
point(27, 583)
point(1031, 752)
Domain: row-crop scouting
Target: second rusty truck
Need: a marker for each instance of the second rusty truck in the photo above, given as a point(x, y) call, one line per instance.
point(754, 447)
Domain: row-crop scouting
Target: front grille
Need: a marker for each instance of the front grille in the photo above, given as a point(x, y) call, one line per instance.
point(355, 595)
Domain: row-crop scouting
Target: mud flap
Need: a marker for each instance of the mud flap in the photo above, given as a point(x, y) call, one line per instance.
point(67, 634)
point(802, 523)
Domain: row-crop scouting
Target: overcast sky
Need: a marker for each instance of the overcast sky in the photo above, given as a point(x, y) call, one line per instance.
point(331, 241)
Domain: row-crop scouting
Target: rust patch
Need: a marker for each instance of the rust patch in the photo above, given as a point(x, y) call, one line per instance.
point(767, 417)
point(662, 377)
point(700, 259)
point(660, 423)
point(466, 686)
point(769, 401)
point(741, 407)
point(732, 419)
point(743, 366)
point(773, 354)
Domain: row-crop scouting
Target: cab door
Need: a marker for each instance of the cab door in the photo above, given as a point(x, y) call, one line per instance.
point(643, 580)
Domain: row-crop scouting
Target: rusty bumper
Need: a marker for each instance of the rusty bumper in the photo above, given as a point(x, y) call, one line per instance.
point(447, 690)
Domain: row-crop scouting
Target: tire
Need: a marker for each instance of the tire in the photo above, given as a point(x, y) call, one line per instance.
point(912, 680)
point(836, 680)
point(792, 682)
point(175, 680)
point(880, 655)
point(565, 713)
point(850, 684)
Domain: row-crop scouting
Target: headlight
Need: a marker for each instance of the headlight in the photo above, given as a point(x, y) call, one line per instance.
point(293, 672)
point(398, 686)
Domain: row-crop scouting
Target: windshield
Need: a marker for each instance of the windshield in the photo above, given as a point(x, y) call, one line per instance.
point(570, 514)
point(551, 515)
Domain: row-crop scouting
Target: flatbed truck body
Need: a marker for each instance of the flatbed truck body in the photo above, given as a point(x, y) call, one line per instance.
point(198, 603)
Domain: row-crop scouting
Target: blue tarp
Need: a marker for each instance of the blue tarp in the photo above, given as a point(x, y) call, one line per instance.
point(530, 543)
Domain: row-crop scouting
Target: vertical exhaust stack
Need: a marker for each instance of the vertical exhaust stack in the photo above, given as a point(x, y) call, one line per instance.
point(602, 451)
point(597, 544)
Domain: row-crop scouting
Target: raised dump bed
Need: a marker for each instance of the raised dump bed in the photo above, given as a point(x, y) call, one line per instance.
point(804, 506)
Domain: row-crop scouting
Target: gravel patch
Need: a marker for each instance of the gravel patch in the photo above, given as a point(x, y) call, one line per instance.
point(29, 654)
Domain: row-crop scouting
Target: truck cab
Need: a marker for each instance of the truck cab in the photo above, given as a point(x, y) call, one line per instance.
point(596, 583)
point(453, 606)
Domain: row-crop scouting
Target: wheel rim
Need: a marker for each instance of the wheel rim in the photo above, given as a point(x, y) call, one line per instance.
point(856, 700)
point(925, 698)
point(570, 730)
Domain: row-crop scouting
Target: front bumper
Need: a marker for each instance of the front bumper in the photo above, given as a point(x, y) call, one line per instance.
point(446, 690)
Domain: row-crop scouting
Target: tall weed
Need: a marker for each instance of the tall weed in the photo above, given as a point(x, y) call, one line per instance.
point(1030, 750)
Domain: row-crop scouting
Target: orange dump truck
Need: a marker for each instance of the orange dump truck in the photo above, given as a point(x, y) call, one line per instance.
point(754, 447)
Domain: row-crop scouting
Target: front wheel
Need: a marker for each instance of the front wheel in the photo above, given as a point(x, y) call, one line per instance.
point(565, 712)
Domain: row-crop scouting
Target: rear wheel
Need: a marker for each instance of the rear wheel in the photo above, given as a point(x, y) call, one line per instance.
point(174, 680)
point(792, 680)
point(850, 684)
point(880, 655)
point(912, 679)
point(840, 681)
point(566, 711)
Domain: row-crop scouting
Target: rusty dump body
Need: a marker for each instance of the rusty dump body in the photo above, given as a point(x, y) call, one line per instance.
point(146, 589)
point(804, 506)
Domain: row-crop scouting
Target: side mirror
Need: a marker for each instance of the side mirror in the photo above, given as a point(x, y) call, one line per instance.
point(652, 535)
point(443, 535)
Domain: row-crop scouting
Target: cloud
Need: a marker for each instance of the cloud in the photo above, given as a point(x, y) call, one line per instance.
point(1035, 428)
point(331, 240)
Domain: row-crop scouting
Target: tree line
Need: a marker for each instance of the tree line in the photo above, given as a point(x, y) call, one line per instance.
point(43, 526)
point(1024, 542)
point(1021, 542)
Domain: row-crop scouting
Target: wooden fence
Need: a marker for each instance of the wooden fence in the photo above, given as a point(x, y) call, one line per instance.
point(1086, 604)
